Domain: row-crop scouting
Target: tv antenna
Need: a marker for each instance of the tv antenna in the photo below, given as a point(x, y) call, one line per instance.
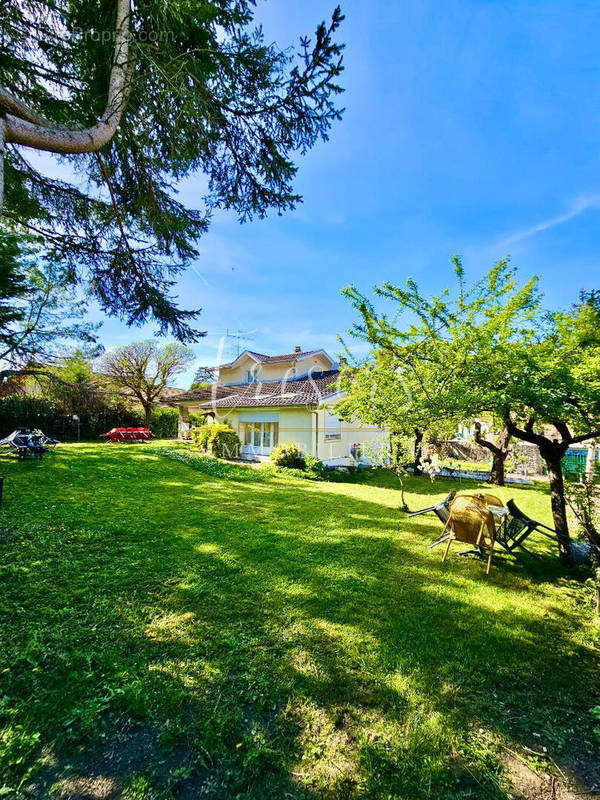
point(236, 340)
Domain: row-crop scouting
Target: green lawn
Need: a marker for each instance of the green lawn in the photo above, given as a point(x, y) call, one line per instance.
point(171, 633)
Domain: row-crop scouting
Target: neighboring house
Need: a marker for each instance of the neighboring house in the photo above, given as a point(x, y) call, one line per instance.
point(282, 398)
point(170, 397)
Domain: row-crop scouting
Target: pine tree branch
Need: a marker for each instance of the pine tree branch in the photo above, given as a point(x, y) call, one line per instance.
point(25, 127)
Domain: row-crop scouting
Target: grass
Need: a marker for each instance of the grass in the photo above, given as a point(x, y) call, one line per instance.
point(167, 632)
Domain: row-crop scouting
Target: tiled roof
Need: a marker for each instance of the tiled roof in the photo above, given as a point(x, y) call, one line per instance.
point(171, 393)
point(285, 357)
point(264, 359)
point(205, 393)
point(294, 392)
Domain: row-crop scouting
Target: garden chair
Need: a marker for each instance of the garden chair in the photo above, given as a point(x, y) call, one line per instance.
point(472, 522)
point(517, 526)
point(441, 509)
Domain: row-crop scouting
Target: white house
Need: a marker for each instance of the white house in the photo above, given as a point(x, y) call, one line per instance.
point(281, 398)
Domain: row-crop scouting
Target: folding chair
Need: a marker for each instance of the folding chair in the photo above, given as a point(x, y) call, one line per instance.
point(472, 522)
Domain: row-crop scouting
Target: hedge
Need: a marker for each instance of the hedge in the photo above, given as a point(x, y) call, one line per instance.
point(164, 423)
point(30, 411)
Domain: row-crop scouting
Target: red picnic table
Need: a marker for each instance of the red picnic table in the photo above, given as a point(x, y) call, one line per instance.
point(127, 435)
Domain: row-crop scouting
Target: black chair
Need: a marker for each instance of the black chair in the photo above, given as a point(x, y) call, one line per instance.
point(517, 526)
point(442, 511)
point(511, 533)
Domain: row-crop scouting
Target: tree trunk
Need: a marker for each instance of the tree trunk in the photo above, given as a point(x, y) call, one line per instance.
point(418, 451)
point(557, 500)
point(499, 452)
point(2, 148)
point(404, 505)
point(147, 414)
point(24, 126)
point(497, 471)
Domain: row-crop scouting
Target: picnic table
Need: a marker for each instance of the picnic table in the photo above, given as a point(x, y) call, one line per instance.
point(128, 435)
point(29, 442)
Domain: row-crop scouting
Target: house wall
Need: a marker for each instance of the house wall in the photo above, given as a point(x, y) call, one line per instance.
point(272, 372)
point(336, 440)
point(298, 424)
point(295, 424)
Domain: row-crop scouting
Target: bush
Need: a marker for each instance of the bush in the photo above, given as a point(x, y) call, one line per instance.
point(288, 455)
point(220, 441)
point(314, 465)
point(164, 423)
point(197, 420)
point(27, 411)
point(31, 411)
point(200, 436)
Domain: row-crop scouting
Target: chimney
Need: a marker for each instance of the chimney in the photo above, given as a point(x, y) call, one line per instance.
point(297, 349)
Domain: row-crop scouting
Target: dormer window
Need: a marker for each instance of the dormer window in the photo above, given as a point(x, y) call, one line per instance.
point(252, 374)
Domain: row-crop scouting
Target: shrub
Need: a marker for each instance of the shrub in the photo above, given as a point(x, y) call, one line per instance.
point(314, 465)
point(27, 411)
point(164, 423)
point(200, 436)
point(218, 440)
point(31, 411)
point(197, 420)
point(288, 455)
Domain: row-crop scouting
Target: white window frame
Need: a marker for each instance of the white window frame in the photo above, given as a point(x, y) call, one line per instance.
point(332, 427)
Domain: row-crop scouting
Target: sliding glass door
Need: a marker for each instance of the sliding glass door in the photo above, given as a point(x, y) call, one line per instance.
point(258, 438)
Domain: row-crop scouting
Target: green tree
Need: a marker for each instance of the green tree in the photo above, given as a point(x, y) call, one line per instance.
point(40, 317)
point(137, 96)
point(144, 369)
point(76, 390)
point(549, 391)
point(414, 379)
point(204, 377)
point(482, 349)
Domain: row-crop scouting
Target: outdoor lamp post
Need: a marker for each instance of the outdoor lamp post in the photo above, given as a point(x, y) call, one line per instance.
point(76, 419)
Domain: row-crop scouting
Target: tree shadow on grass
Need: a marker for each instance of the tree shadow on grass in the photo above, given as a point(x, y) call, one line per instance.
point(296, 639)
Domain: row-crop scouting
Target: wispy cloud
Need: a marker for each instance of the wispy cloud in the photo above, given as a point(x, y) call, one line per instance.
point(581, 204)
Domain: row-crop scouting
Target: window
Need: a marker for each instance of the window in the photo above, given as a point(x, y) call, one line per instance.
point(333, 427)
point(258, 437)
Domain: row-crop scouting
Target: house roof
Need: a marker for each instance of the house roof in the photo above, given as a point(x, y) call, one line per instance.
point(261, 358)
point(206, 393)
point(293, 392)
point(171, 393)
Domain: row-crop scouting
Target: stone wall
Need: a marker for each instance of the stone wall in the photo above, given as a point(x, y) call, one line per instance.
point(465, 451)
point(527, 456)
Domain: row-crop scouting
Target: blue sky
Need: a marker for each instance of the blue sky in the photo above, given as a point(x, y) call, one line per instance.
point(470, 127)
